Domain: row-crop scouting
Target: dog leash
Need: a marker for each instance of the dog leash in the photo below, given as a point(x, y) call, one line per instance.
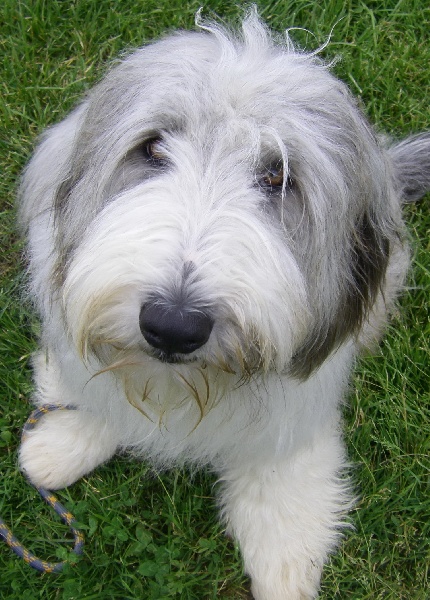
point(66, 516)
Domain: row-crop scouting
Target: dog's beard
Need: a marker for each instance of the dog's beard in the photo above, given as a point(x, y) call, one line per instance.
point(155, 387)
point(236, 354)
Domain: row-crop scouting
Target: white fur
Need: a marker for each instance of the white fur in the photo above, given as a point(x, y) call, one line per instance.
point(108, 228)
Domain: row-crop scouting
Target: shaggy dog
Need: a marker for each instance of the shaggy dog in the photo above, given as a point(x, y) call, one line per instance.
point(213, 235)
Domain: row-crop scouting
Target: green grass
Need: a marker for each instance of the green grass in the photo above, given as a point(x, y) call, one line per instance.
point(157, 537)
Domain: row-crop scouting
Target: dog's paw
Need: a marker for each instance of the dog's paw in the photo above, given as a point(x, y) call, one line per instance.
point(64, 446)
point(297, 580)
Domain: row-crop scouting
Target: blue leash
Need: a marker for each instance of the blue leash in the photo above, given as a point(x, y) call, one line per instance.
point(66, 516)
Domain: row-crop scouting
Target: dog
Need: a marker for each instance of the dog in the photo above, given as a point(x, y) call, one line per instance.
point(214, 235)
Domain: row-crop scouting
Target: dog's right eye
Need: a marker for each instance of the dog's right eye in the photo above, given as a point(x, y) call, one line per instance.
point(153, 150)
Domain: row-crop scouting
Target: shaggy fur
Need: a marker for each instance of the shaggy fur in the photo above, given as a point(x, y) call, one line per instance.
point(213, 235)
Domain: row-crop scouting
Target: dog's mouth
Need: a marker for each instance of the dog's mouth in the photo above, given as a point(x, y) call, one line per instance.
point(171, 358)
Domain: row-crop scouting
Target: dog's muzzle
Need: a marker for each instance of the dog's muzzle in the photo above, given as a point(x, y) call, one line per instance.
point(173, 330)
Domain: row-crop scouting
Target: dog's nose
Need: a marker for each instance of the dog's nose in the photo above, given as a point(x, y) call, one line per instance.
point(174, 329)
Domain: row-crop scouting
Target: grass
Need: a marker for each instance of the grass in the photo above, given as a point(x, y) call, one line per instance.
point(156, 537)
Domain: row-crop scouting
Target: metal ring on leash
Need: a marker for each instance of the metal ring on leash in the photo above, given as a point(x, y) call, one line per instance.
point(67, 517)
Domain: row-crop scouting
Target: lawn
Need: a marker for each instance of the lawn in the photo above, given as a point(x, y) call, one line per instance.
point(155, 536)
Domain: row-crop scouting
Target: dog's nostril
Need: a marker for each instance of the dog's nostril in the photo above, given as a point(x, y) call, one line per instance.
point(174, 330)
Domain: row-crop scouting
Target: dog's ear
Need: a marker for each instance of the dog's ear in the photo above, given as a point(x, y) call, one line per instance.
point(361, 283)
point(411, 161)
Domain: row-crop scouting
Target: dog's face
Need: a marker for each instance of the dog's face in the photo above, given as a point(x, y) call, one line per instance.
point(220, 203)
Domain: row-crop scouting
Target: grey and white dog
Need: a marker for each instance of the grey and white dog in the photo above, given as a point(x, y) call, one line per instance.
point(213, 236)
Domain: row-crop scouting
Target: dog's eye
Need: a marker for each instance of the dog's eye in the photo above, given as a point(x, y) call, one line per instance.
point(153, 151)
point(273, 178)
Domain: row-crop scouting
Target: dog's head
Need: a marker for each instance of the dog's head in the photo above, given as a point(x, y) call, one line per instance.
point(217, 199)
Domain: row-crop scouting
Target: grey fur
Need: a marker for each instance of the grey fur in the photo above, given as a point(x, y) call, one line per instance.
point(411, 160)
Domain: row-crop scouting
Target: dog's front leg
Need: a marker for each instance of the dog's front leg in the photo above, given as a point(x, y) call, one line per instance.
point(286, 516)
point(64, 444)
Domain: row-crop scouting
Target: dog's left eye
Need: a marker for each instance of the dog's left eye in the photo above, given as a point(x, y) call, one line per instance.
point(273, 178)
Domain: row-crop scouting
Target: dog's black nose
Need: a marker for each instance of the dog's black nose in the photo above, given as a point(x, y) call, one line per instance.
point(174, 329)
